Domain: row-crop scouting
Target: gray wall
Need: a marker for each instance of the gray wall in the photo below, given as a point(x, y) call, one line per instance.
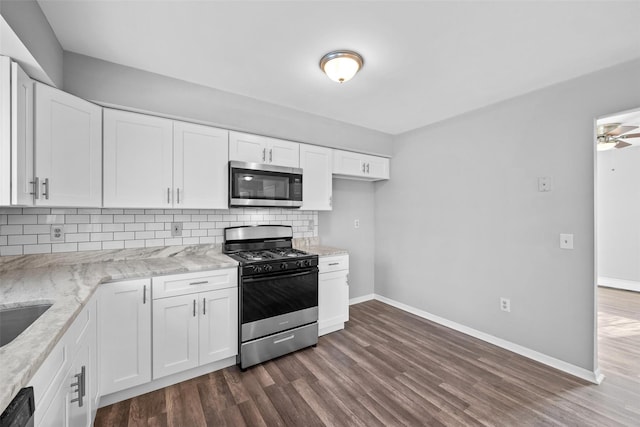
point(352, 200)
point(461, 222)
point(106, 82)
point(619, 214)
point(29, 23)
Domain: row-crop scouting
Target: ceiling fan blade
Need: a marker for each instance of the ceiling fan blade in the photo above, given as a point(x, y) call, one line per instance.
point(620, 130)
point(630, 135)
point(622, 144)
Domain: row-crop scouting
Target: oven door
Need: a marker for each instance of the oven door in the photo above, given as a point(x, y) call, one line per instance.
point(271, 303)
point(251, 184)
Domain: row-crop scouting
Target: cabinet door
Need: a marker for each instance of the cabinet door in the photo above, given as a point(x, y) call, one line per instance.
point(245, 147)
point(218, 324)
point(348, 163)
point(175, 335)
point(316, 164)
point(78, 394)
point(200, 162)
point(333, 301)
point(124, 330)
point(58, 411)
point(5, 130)
point(283, 153)
point(377, 167)
point(68, 149)
point(138, 160)
point(22, 187)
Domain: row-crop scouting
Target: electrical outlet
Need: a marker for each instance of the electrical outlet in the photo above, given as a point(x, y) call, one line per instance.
point(544, 184)
point(57, 233)
point(356, 223)
point(505, 304)
point(176, 229)
point(566, 241)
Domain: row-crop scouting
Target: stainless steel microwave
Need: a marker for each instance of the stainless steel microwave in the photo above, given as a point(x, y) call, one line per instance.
point(255, 184)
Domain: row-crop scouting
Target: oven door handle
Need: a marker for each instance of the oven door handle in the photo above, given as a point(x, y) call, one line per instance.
point(278, 276)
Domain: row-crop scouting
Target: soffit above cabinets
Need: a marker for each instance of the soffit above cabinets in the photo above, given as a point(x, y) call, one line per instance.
point(424, 61)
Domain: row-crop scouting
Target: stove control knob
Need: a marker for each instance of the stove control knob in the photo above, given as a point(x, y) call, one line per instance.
point(299, 264)
point(307, 263)
point(257, 268)
point(283, 266)
point(268, 268)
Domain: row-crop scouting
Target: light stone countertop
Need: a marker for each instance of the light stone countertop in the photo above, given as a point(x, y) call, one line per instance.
point(40, 279)
point(69, 280)
point(323, 250)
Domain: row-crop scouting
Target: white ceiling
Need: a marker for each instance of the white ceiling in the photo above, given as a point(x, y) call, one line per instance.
point(424, 61)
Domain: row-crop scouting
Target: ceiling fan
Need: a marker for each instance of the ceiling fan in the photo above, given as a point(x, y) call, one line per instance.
point(613, 135)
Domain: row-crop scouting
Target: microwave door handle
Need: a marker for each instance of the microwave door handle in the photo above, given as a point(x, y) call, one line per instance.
point(278, 276)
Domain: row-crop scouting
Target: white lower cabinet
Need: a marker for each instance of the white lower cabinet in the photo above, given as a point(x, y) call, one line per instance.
point(124, 330)
point(197, 327)
point(333, 293)
point(64, 385)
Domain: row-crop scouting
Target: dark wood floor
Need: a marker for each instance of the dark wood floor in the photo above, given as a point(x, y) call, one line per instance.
point(390, 368)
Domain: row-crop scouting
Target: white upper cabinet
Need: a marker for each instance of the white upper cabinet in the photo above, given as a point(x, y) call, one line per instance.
point(68, 149)
point(245, 147)
point(151, 162)
point(138, 160)
point(200, 164)
point(347, 164)
point(316, 163)
point(16, 140)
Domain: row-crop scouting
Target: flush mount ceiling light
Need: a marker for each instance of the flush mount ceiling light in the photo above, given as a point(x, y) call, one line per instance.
point(341, 65)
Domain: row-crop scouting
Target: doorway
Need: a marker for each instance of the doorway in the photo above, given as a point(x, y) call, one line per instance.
point(617, 209)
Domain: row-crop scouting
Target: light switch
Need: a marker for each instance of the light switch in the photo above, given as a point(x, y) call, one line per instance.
point(544, 184)
point(566, 241)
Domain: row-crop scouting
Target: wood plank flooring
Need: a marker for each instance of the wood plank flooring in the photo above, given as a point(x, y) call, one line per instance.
point(390, 368)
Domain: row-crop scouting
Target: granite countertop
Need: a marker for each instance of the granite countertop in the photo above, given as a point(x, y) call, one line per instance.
point(68, 283)
point(69, 280)
point(322, 250)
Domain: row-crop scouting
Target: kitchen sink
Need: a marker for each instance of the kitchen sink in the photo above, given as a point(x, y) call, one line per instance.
point(15, 320)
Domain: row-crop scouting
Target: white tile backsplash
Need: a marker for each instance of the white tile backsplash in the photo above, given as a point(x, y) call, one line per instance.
point(27, 230)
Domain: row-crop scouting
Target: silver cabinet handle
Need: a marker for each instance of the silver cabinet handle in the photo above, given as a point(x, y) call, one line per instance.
point(264, 154)
point(194, 308)
point(204, 282)
point(367, 167)
point(204, 306)
point(36, 188)
point(178, 196)
point(290, 337)
point(168, 195)
point(270, 155)
point(364, 167)
point(144, 294)
point(80, 385)
point(45, 184)
point(334, 263)
point(330, 200)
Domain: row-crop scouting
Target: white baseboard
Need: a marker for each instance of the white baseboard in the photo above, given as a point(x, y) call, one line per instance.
point(595, 377)
point(627, 285)
point(363, 298)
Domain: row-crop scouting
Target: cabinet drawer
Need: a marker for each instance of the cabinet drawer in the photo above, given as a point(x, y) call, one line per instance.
point(267, 348)
point(333, 263)
point(189, 283)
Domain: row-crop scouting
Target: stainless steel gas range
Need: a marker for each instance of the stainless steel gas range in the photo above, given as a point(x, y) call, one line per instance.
point(278, 288)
